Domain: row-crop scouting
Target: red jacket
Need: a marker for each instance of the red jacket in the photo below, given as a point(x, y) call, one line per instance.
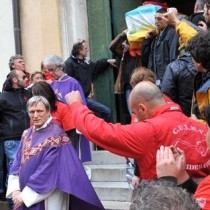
point(168, 126)
point(63, 116)
point(202, 194)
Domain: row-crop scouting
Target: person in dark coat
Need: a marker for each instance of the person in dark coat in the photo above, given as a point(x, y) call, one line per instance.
point(160, 48)
point(120, 47)
point(83, 70)
point(177, 82)
point(13, 115)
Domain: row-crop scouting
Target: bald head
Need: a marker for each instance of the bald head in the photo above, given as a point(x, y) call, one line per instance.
point(146, 92)
point(145, 95)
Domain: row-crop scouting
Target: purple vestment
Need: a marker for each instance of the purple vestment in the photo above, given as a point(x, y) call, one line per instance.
point(46, 160)
point(61, 88)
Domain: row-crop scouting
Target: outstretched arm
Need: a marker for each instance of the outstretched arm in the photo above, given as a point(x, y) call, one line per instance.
point(125, 140)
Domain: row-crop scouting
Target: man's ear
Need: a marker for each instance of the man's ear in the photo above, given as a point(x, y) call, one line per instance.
point(13, 80)
point(142, 107)
point(200, 67)
point(13, 66)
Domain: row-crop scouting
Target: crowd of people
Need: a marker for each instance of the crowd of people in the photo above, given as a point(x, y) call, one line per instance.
point(48, 118)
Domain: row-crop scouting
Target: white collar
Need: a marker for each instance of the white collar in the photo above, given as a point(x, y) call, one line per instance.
point(62, 77)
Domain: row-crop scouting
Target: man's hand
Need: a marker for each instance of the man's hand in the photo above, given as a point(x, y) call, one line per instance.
point(112, 62)
point(180, 157)
point(167, 164)
point(171, 16)
point(125, 47)
point(72, 97)
point(135, 181)
point(16, 198)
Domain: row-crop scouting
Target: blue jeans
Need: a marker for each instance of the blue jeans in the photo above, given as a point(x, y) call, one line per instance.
point(127, 94)
point(99, 108)
point(10, 148)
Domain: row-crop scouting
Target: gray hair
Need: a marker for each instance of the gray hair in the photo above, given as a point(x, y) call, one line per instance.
point(13, 59)
point(162, 195)
point(35, 100)
point(53, 59)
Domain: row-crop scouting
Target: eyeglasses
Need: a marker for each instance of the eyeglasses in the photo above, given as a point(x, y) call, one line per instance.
point(52, 69)
point(158, 18)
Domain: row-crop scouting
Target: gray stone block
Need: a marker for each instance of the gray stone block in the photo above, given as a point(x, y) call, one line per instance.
point(113, 191)
point(108, 173)
point(116, 205)
point(103, 157)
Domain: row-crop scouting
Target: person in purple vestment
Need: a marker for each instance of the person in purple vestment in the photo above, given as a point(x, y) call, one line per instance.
point(62, 85)
point(46, 173)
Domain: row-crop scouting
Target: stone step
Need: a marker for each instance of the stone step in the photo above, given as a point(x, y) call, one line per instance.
point(103, 157)
point(113, 191)
point(3, 205)
point(109, 205)
point(115, 205)
point(108, 173)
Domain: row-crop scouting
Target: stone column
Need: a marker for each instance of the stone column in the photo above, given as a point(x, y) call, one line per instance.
point(74, 23)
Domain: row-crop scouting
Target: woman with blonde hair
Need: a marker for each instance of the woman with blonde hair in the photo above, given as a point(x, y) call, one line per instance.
point(142, 74)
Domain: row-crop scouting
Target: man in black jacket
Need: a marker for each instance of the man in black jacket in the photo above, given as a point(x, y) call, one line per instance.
point(13, 114)
point(159, 49)
point(177, 82)
point(83, 70)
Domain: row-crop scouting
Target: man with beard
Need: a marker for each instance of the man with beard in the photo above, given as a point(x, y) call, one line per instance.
point(13, 115)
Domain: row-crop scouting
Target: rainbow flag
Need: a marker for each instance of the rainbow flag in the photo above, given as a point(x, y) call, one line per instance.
point(139, 21)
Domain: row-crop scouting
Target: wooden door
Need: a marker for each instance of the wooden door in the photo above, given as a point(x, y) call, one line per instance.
point(105, 20)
